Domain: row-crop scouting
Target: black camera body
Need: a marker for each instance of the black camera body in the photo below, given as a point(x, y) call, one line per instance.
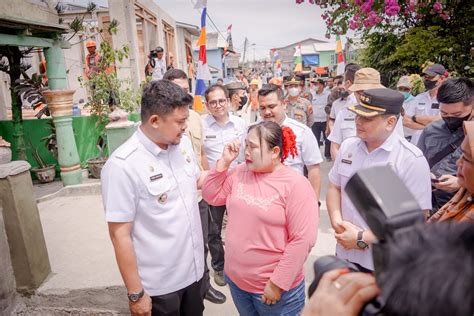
point(153, 53)
point(389, 209)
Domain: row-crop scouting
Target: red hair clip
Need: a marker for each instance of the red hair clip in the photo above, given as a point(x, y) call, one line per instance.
point(289, 143)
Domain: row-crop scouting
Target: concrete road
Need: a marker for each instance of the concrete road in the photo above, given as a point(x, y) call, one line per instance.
point(83, 260)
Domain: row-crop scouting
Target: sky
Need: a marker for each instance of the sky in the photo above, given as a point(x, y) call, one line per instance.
point(265, 23)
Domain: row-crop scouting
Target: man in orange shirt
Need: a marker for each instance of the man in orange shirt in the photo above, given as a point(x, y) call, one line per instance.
point(92, 60)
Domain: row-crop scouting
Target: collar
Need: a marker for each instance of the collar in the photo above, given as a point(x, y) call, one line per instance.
point(148, 143)
point(387, 145)
point(213, 121)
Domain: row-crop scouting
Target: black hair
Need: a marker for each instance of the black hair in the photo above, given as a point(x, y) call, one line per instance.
point(220, 79)
point(350, 71)
point(233, 91)
point(159, 49)
point(162, 97)
point(430, 271)
point(270, 88)
point(215, 87)
point(174, 74)
point(271, 133)
point(338, 77)
point(455, 90)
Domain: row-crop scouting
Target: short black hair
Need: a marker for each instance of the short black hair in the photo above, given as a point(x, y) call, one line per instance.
point(350, 71)
point(429, 271)
point(339, 77)
point(234, 91)
point(174, 74)
point(454, 90)
point(162, 97)
point(159, 49)
point(215, 87)
point(270, 88)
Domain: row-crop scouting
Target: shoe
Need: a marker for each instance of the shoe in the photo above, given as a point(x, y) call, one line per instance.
point(328, 158)
point(219, 278)
point(214, 296)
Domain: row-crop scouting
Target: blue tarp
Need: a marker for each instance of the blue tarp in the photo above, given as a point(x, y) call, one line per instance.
point(311, 60)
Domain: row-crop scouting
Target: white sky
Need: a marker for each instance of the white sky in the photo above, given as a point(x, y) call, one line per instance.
point(267, 23)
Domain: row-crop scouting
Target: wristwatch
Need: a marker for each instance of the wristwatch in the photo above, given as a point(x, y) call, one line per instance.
point(413, 118)
point(134, 297)
point(360, 242)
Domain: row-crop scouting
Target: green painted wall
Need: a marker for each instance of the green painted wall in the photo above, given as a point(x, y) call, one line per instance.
point(85, 129)
point(325, 59)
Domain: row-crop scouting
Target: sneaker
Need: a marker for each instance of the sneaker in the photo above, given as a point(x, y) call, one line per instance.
point(219, 278)
point(214, 296)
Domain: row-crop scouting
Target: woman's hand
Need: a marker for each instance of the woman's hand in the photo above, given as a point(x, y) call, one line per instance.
point(271, 293)
point(341, 293)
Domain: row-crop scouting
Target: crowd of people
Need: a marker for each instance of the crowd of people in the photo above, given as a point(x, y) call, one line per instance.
point(251, 165)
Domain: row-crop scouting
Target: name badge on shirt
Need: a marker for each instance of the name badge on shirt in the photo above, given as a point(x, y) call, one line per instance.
point(156, 177)
point(435, 106)
point(349, 119)
point(347, 161)
point(211, 136)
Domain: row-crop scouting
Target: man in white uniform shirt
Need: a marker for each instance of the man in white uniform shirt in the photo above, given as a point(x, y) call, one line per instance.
point(270, 99)
point(220, 128)
point(320, 100)
point(424, 108)
point(149, 190)
point(377, 143)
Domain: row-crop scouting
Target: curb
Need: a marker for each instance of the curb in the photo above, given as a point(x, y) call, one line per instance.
point(73, 190)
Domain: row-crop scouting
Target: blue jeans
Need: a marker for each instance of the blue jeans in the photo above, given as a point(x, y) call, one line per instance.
point(250, 304)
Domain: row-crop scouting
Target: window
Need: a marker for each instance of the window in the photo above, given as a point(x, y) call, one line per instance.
point(333, 59)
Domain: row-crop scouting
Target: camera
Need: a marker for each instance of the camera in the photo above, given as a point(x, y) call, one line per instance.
point(153, 53)
point(389, 211)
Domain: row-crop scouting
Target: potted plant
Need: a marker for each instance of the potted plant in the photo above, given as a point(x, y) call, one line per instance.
point(95, 165)
point(45, 173)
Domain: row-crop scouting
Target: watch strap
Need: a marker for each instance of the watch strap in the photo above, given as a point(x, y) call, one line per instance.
point(134, 297)
point(359, 235)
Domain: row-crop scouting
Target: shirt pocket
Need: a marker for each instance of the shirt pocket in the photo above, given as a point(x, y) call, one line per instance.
point(159, 195)
point(346, 171)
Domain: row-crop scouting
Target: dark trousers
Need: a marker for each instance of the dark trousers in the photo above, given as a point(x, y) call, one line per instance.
point(190, 81)
point(216, 248)
point(318, 129)
point(184, 302)
point(204, 212)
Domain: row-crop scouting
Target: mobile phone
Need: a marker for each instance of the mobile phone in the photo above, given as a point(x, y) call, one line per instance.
point(434, 180)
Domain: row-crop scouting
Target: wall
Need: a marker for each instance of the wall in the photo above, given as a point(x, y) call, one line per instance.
point(86, 132)
point(325, 59)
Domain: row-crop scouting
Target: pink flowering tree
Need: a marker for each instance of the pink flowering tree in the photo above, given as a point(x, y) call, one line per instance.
point(402, 35)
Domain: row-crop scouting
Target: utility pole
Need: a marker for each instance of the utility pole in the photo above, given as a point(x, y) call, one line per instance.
point(245, 52)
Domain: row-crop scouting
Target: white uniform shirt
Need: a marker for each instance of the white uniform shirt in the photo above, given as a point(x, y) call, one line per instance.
point(409, 164)
point(345, 127)
point(216, 136)
point(156, 189)
point(319, 103)
point(306, 144)
point(421, 105)
point(159, 69)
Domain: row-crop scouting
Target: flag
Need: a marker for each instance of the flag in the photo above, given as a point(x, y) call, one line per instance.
point(228, 49)
point(276, 58)
point(297, 55)
point(203, 74)
point(340, 57)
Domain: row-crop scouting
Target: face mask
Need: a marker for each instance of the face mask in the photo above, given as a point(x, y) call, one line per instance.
point(294, 92)
point(406, 95)
point(344, 94)
point(429, 85)
point(454, 123)
point(243, 100)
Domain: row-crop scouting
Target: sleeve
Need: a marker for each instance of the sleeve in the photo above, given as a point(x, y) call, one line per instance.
point(333, 175)
point(332, 115)
point(217, 186)
point(418, 181)
point(310, 153)
point(302, 222)
point(119, 194)
point(336, 136)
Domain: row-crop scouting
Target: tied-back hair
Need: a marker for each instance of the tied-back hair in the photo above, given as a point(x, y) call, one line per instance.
point(276, 136)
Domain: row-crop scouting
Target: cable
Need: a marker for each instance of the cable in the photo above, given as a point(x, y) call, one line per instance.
point(212, 22)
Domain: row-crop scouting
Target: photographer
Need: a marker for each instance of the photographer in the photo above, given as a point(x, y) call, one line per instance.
point(156, 66)
point(410, 283)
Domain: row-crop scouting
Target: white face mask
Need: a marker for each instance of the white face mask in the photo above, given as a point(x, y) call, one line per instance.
point(294, 92)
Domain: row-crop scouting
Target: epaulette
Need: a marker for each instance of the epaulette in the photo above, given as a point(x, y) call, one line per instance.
point(412, 148)
point(123, 152)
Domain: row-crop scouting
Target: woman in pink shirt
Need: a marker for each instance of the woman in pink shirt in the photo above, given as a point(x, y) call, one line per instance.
point(273, 222)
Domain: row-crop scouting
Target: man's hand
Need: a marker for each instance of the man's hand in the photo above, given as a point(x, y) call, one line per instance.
point(271, 293)
point(447, 183)
point(353, 291)
point(142, 307)
point(348, 238)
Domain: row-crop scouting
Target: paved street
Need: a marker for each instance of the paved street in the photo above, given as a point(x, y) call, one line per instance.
point(82, 256)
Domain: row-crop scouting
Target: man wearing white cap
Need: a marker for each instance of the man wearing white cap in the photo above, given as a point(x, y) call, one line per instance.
point(344, 126)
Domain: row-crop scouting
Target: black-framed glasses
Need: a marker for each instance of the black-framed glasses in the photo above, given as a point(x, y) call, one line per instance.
point(220, 102)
